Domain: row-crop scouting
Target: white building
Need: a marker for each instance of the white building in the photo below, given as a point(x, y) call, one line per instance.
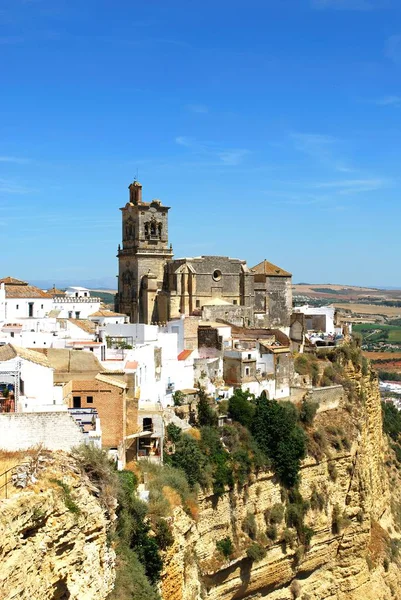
point(152, 353)
point(19, 300)
point(29, 378)
point(319, 319)
point(104, 317)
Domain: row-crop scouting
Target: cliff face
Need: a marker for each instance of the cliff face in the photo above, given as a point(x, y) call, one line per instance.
point(53, 539)
point(350, 551)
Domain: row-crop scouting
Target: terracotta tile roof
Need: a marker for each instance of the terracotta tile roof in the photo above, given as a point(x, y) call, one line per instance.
point(131, 364)
point(22, 289)
point(111, 381)
point(267, 268)
point(184, 354)
point(84, 324)
point(106, 313)
point(10, 351)
point(12, 281)
point(55, 292)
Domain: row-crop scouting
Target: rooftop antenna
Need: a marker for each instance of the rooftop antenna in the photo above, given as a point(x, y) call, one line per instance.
point(136, 176)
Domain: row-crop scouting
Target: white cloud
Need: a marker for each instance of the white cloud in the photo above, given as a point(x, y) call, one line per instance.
point(389, 101)
point(198, 108)
point(218, 155)
point(10, 187)
point(393, 48)
point(353, 186)
point(322, 148)
point(182, 140)
point(14, 159)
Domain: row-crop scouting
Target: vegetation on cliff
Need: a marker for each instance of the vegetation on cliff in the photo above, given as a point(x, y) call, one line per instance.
point(138, 539)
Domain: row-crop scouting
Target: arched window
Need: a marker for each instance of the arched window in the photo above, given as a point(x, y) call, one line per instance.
point(159, 229)
point(153, 228)
point(146, 230)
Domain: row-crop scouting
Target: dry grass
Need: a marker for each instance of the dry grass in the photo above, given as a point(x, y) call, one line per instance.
point(370, 309)
point(8, 460)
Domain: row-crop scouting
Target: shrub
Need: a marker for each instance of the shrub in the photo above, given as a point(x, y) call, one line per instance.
point(206, 415)
point(189, 457)
point(68, 501)
point(317, 500)
point(249, 525)
point(295, 589)
point(277, 433)
point(101, 471)
point(173, 432)
point(163, 534)
point(271, 532)
point(308, 412)
point(276, 513)
point(256, 552)
point(241, 409)
point(332, 469)
point(131, 581)
point(289, 537)
point(225, 547)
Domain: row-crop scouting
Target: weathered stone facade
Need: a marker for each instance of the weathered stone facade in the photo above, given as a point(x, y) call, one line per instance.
point(152, 287)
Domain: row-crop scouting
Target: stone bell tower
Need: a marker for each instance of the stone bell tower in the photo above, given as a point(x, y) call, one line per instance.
point(142, 257)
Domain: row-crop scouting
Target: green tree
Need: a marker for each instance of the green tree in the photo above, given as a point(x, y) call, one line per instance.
point(206, 414)
point(278, 434)
point(241, 408)
point(189, 457)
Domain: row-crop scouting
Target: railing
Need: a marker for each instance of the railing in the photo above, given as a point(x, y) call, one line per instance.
point(8, 477)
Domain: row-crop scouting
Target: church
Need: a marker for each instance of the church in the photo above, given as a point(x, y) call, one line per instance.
point(153, 287)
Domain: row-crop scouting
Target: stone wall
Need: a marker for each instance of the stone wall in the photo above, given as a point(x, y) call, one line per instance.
point(54, 430)
point(328, 398)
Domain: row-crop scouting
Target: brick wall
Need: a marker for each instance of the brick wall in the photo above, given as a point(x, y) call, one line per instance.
point(109, 401)
point(55, 430)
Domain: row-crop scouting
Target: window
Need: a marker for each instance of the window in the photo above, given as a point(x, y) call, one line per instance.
point(76, 294)
point(77, 314)
point(17, 307)
point(147, 424)
point(89, 399)
point(197, 303)
point(70, 314)
point(249, 356)
point(12, 334)
point(76, 400)
point(217, 275)
point(30, 309)
point(246, 370)
point(235, 301)
point(91, 349)
point(41, 306)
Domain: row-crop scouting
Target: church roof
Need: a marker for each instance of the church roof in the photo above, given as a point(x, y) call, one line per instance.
point(267, 268)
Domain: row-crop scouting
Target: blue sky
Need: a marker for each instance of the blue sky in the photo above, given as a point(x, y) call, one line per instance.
point(272, 129)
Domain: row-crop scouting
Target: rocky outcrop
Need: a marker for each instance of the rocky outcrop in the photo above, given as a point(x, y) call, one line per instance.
point(348, 491)
point(53, 539)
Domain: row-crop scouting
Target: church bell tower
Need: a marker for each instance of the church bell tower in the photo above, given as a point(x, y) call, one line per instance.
point(142, 257)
